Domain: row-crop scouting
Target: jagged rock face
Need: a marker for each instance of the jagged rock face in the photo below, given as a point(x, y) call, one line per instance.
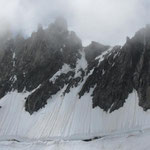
point(121, 71)
point(142, 73)
point(51, 59)
point(93, 50)
point(28, 63)
point(6, 69)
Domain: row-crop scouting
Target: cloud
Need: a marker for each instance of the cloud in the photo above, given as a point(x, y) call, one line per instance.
point(105, 21)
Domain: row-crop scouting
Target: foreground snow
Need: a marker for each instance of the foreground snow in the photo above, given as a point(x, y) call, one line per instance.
point(135, 141)
point(68, 117)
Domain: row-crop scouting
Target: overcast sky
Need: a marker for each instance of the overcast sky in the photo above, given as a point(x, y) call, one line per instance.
point(104, 21)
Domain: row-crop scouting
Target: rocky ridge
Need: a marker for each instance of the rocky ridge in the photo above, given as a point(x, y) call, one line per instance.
point(54, 58)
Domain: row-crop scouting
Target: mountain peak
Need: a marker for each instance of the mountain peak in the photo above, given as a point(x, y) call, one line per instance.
point(61, 24)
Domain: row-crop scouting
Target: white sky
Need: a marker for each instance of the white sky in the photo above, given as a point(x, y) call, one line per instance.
point(104, 21)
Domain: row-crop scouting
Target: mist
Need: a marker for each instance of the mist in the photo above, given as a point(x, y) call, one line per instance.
point(104, 21)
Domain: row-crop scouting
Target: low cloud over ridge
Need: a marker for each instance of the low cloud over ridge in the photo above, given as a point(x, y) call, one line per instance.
point(105, 21)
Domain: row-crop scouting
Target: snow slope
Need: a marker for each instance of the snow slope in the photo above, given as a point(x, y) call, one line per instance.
point(68, 117)
point(127, 142)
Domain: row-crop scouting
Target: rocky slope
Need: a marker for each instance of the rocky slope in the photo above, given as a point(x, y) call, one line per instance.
point(48, 61)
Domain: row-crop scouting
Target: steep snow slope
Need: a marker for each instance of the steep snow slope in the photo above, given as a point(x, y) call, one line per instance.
point(68, 118)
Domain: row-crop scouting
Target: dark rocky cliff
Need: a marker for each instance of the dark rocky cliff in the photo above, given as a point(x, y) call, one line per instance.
point(29, 64)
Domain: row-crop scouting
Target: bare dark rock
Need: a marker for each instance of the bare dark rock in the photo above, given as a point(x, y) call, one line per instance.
point(122, 71)
point(93, 50)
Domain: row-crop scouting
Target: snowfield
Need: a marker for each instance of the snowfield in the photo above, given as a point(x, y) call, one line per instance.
point(137, 141)
point(64, 122)
point(68, 118)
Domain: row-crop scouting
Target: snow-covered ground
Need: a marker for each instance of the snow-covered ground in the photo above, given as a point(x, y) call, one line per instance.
point(68, 117)
point(127, 142)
